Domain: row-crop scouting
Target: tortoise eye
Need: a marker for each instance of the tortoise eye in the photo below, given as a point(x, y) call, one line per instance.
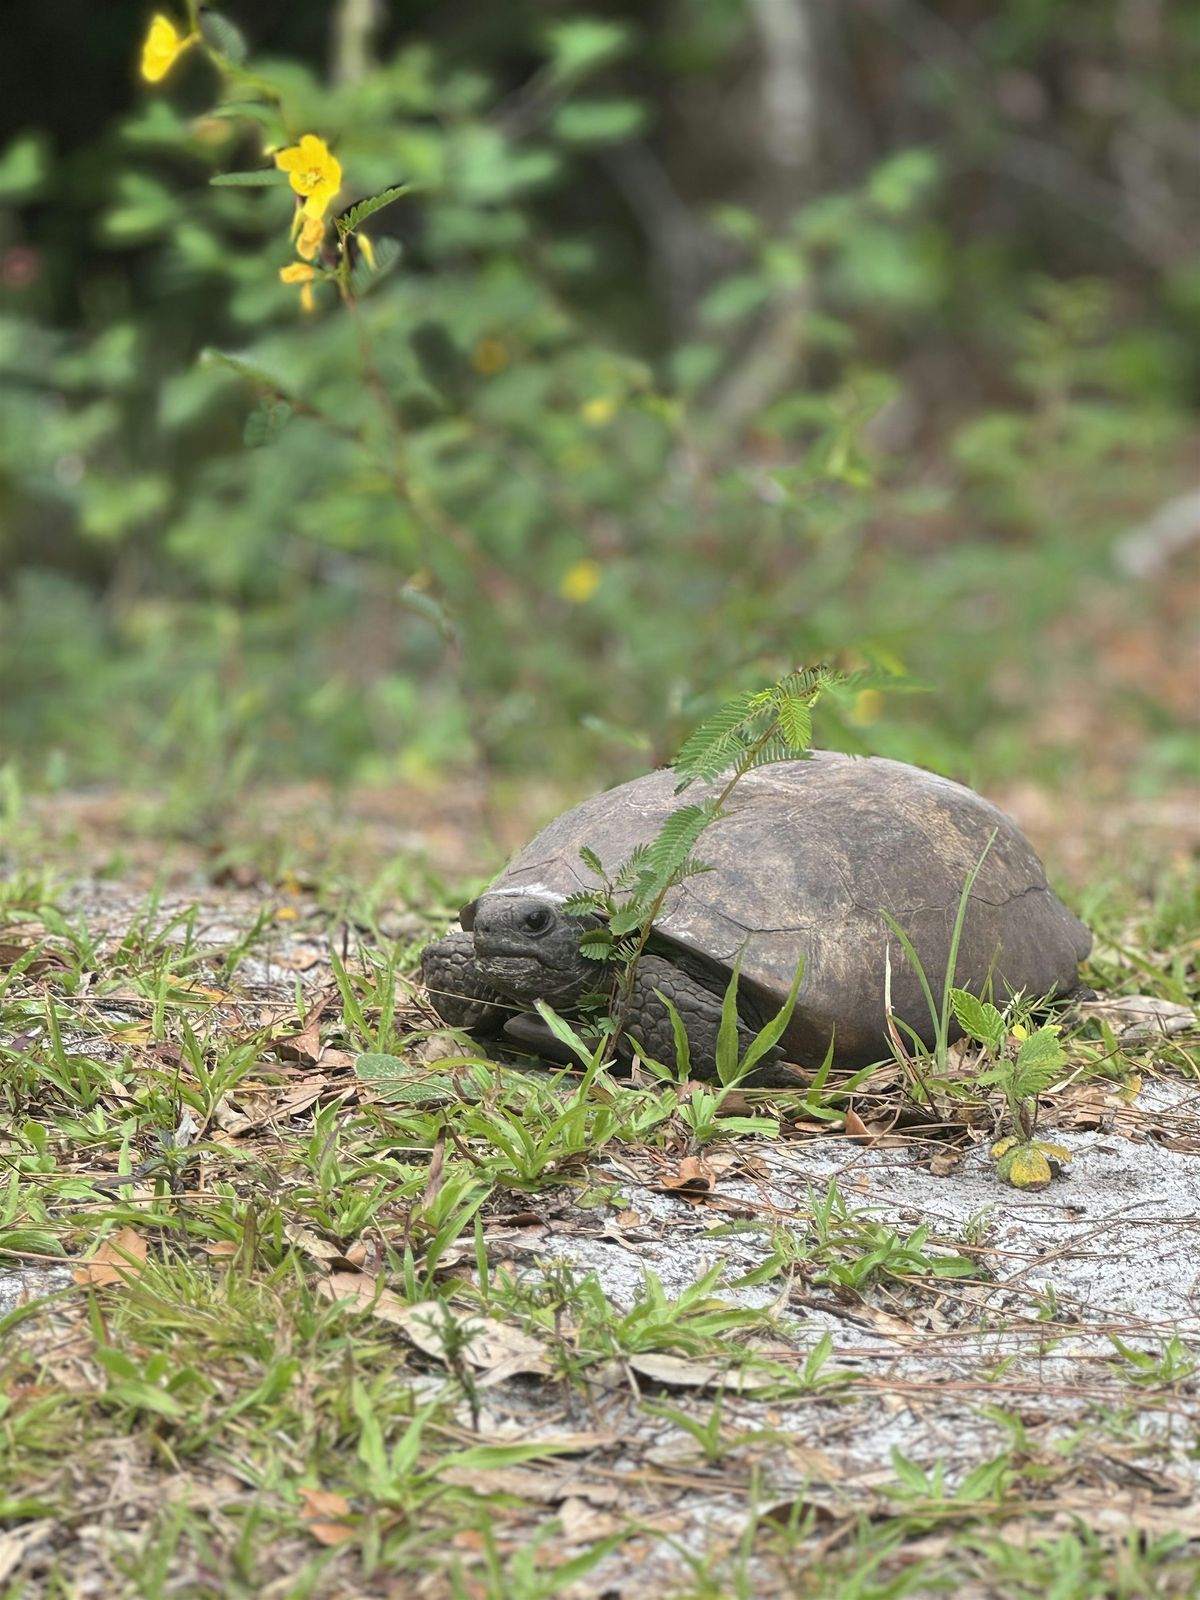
point(538, 920)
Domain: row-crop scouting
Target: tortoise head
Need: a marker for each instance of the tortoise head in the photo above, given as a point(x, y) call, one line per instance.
point(527, 947)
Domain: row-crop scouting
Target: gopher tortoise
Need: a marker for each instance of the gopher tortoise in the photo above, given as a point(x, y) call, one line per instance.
point(807, 857)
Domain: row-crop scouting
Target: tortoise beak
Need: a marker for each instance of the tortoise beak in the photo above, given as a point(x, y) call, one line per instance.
point(466, 917)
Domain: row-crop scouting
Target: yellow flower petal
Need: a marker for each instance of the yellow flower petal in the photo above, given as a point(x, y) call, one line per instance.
point(600, 409)
point(489, 356)
point(313, 171)
point(312, 233)
point(866, 708)
point(162, 47)
point(367, 248)
point(580, 581)
point(297, 272)
point(307, 302)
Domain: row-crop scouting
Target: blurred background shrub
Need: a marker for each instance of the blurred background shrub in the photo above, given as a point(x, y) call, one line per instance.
point(721, 335)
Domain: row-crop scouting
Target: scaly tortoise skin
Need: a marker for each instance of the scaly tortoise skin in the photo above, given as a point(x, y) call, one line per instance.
point(806, 858)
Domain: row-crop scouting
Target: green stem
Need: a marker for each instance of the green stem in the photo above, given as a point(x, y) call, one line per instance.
point(646, 927)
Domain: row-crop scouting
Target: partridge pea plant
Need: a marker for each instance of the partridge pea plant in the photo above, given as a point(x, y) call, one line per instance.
point(304, 162)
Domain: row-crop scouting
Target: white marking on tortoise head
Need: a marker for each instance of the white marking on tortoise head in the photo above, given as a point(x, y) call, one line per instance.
point(466, 917)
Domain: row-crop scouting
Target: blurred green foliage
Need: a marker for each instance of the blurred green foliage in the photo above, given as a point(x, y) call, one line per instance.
point(635, 418)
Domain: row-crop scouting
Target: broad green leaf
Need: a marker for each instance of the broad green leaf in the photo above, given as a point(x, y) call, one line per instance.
point(146, 1397)
point(23, 166)
point(733, 299)
point(260, 178)
point(398, 1079)
point(626, 919)
point(423, 604)
point(242, 365)
point(977, 1019)
point(265, 423)
point(583, 44)
point(599, 121)
point(902, 180)
point(1041, 1052)
point(251, 110)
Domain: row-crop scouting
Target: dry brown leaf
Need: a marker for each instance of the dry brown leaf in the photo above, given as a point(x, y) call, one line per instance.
point(121, 1257)
point(583, 1524)
point(680, 1372)
point(323, 1503)
point(493, 1347)
point(692, 1179)
point(301, 1095)
point(45, 961)
point(814, 1464)
point(302, 959)
point(1141, 1016)
point(331, 1533)
point(857, 1129)
point(232, 1121)
point(311, 1243)
point(945, 1161)
point(526, 1483)
point(335, 1060)
point(305, 1046)
point(16, 1543)
point(436, 1169)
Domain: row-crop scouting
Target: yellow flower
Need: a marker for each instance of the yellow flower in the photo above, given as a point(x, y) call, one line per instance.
point(312, 172)
point(489, 356)
point(163, 45)
point(367, 248)
point(580, 581)
point(299, 272)
point(867, 707)
point(599, 410)
point(312, 233)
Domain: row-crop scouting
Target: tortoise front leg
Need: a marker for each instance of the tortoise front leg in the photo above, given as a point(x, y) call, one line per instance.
point(648, 1024)
point(458, 991)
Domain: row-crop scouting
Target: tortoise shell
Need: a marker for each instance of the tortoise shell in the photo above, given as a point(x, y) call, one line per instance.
point(806, 858)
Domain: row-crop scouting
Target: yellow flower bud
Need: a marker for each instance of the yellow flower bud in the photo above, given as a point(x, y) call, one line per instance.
point(163, 45)
point(867, 707)
point(600, 409)
point(580, 581)
point(312, 234)
point(489, 356)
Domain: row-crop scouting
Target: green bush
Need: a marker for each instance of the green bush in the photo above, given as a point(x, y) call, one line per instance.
point(456, 515)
